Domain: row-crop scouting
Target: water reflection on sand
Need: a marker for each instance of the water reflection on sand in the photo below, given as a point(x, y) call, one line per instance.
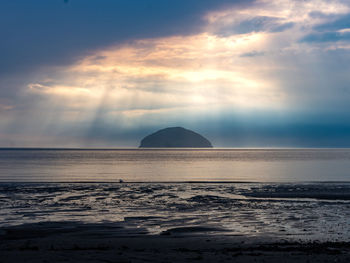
point(307, 211)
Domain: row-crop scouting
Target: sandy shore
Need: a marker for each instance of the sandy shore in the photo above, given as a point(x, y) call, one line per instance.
point(75, 242)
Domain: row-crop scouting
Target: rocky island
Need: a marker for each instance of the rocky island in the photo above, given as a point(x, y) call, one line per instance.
point(175, 137)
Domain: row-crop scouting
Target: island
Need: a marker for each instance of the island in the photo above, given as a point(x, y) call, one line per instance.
point(175, 137)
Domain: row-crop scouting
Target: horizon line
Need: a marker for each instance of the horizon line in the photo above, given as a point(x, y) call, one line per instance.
point(168, 148)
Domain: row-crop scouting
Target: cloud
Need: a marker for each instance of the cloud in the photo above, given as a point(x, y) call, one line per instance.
point(335, 24)
point(331, 29)
point(166, 72)
point(252, 54)
point(255, 24)
point(41, 37)
point(42, 33)
point(326, 37)
point(262, 73)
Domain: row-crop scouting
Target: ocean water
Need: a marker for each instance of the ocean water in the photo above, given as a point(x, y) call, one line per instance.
point(144, 165)
point(291, 194)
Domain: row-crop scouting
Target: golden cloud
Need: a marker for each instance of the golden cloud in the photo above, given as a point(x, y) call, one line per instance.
point(184, 71)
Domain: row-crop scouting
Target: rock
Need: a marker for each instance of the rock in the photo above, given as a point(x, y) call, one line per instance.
point(175, 137)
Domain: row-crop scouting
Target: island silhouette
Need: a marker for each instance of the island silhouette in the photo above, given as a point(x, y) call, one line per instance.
point(175, 137)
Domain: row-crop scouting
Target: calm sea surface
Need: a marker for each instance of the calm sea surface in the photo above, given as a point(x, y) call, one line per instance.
point(136, 165)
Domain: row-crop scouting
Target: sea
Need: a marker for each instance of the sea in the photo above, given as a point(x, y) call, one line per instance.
point(294, 194)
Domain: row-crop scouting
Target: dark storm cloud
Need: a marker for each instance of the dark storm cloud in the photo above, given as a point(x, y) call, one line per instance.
point(41, 32)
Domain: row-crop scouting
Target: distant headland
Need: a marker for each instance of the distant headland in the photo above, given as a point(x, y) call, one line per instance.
point(175, 137)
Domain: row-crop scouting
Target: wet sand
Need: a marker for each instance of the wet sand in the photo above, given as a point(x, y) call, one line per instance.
point(174, 222)
point(77, 242)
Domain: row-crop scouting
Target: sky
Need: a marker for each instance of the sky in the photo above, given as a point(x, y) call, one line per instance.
point(106, 73)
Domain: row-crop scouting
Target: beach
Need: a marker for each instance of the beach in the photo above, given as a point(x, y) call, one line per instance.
point(60, 218)
point(72, 242)
point(174, 222)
